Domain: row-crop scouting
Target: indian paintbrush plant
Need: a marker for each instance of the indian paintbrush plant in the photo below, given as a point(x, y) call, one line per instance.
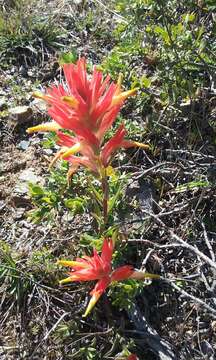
point(86, 108)
point(83, 109)
point(99, 268)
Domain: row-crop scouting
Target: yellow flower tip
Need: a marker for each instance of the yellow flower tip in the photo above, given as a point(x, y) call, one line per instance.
point(128, 144)
point(31, 130)
point(110, 171)
point(52, 126)
point(141, 275)
point(65, 281)
point(123, 96)
point(62, 262)
point(39, 95)
point(73, 263)
point(92, 303)
point(73, 150)
point(130, 92)
point(120, 79)
point(70, 100)
point(141, 145)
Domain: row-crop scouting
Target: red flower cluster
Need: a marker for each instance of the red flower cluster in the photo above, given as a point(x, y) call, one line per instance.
point(132, 357)
point(99, 268)
point(87, 107)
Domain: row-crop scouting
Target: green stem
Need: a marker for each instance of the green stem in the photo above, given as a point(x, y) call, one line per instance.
point(105, 189)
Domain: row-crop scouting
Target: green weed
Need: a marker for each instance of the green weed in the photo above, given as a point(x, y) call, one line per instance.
point(157, 45)
point(123, 294)
point(19, 274)
point(25, 34)
point(13, 280)
point(192, 185)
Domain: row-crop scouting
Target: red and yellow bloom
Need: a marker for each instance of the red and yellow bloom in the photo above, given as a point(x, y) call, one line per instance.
point(87, 107)
point(99, 268)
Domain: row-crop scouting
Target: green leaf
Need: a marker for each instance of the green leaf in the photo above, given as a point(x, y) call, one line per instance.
point(36, 190)
point(47, 200)
point(98, 197)
point(163, 33)
point(76, 205)
point(88, 240)
point(113, 200)
point(191, 185)
point(145, 82)
point(200, 32)
point(189, 18)
point(68, 58)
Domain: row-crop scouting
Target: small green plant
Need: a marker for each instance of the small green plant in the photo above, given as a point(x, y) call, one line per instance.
point(56, 197)
point(174, 47)
point(123, 294)
point(88, 352)
point(24, 34)
point(192, 185)
point(13, 279)
point(68, 58)
point(18, 275)
point(42, 266)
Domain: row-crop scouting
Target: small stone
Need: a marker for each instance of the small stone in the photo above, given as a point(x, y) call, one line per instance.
point(2, 204)
point(21, 188)
point(34, 140)
point(67, 217)
point(19, 200)
point(19, 213)
point(21, 114)
point(3, 103)
point(26, 176)
point(38, 105)
point(207, 349)
point(12, 70)
point(48, 151)
point(29, 175)
point(23, 71)
point(23, 145)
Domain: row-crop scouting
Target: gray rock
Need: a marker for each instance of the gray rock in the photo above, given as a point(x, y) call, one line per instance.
point(2, 204)
point(39, 105)
point(144, 193)
point(149, 336)
point(21, 114)
point(26, 176)
point(19, 213)
point(3, 103)
point(140, 197)
point(48, 151)
point(207, 350)
point(23, 145)
point(29, 175)
point(21, 188)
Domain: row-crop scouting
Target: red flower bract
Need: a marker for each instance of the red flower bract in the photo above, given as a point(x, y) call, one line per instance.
point(132, 357)
point(98, 267)
point(86, 106)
